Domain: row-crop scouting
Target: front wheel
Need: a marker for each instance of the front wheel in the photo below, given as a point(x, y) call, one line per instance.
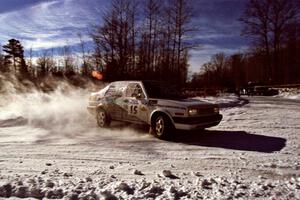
point(103, 120)
point(161, 127)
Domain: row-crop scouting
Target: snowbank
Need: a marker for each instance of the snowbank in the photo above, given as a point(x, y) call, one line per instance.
point(289, 93)
point(58, 185)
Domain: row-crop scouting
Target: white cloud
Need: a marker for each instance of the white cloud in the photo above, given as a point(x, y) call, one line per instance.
point(41, 43)
point(48, 24)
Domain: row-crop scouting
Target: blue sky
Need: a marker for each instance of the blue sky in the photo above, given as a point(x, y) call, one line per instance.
point(42, 24)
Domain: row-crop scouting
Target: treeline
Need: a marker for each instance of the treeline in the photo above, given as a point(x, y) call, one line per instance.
point(37, 69)
point(145, 39)
point(138, 39)
point(46, 70)
point(274, 56)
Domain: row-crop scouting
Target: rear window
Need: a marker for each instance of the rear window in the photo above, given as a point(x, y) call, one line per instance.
point(111, 91)
point(116, 89)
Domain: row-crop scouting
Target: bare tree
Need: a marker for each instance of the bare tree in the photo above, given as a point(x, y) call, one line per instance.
point(30, 64)
point(237, 70)
point(166, 39)
point(152, 11)
point(115, 38)
point(256, 21)
point(68, 60)
point(45, 64)
point(133, 14)
point(182, 12)
point(266, 21)
point(283, 12)
point(158, 34)
point(84, 57)
point(292, 53)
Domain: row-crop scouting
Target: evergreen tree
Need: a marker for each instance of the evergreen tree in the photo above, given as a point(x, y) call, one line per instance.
point(15, 56)
point(3, 67)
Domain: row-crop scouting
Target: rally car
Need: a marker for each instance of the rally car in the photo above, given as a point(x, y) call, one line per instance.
point(154, 103)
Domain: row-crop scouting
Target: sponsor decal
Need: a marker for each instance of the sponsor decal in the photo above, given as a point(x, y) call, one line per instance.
point(133, 101)
point(143, 108)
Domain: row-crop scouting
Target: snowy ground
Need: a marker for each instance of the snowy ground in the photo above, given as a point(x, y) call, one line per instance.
point(50, 147)
point(225, 100)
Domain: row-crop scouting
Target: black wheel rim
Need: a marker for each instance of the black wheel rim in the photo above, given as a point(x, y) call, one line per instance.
point(159, 126)
point(101, 118)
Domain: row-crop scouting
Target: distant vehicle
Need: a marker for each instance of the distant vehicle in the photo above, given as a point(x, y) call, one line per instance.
point(153, 103)
point(259, 90)
point(265, 91)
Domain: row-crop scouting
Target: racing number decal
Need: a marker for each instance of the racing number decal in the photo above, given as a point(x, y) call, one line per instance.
point(133, 110)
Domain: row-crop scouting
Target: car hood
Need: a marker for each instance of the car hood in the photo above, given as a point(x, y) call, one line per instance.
point(184, 103)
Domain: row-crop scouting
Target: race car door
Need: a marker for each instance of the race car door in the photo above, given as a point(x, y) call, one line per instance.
point(113, 98)
point(136, 109)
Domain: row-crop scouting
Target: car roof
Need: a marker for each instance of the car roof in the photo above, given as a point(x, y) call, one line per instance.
point(138, 81)
point(125, 82)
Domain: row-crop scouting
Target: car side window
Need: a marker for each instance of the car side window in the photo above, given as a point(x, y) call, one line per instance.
point(111, 91)
point(115, 90)
point(120, 91)
point(135, 90)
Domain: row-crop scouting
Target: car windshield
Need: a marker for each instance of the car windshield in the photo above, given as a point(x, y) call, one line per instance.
point(159, 90)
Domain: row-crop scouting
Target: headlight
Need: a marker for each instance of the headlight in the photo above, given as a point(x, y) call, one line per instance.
point(193, 112)
point(216, 110)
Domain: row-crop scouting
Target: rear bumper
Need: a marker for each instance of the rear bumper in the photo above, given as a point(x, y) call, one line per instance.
point(191, 123)
point(92, 110)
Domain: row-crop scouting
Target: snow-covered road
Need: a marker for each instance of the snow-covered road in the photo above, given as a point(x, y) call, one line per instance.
point(253, 153)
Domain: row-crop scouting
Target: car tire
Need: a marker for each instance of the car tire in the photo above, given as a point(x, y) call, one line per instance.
point(103, 119)
point(161, 127)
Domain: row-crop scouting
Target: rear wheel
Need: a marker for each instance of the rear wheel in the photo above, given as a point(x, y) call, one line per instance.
point(103, 120)
point(161, 127)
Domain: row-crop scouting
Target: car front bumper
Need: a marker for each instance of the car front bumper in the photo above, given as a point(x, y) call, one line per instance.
point(192, 123)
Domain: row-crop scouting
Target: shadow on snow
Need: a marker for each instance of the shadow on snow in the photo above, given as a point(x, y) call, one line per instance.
point(237, 140)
